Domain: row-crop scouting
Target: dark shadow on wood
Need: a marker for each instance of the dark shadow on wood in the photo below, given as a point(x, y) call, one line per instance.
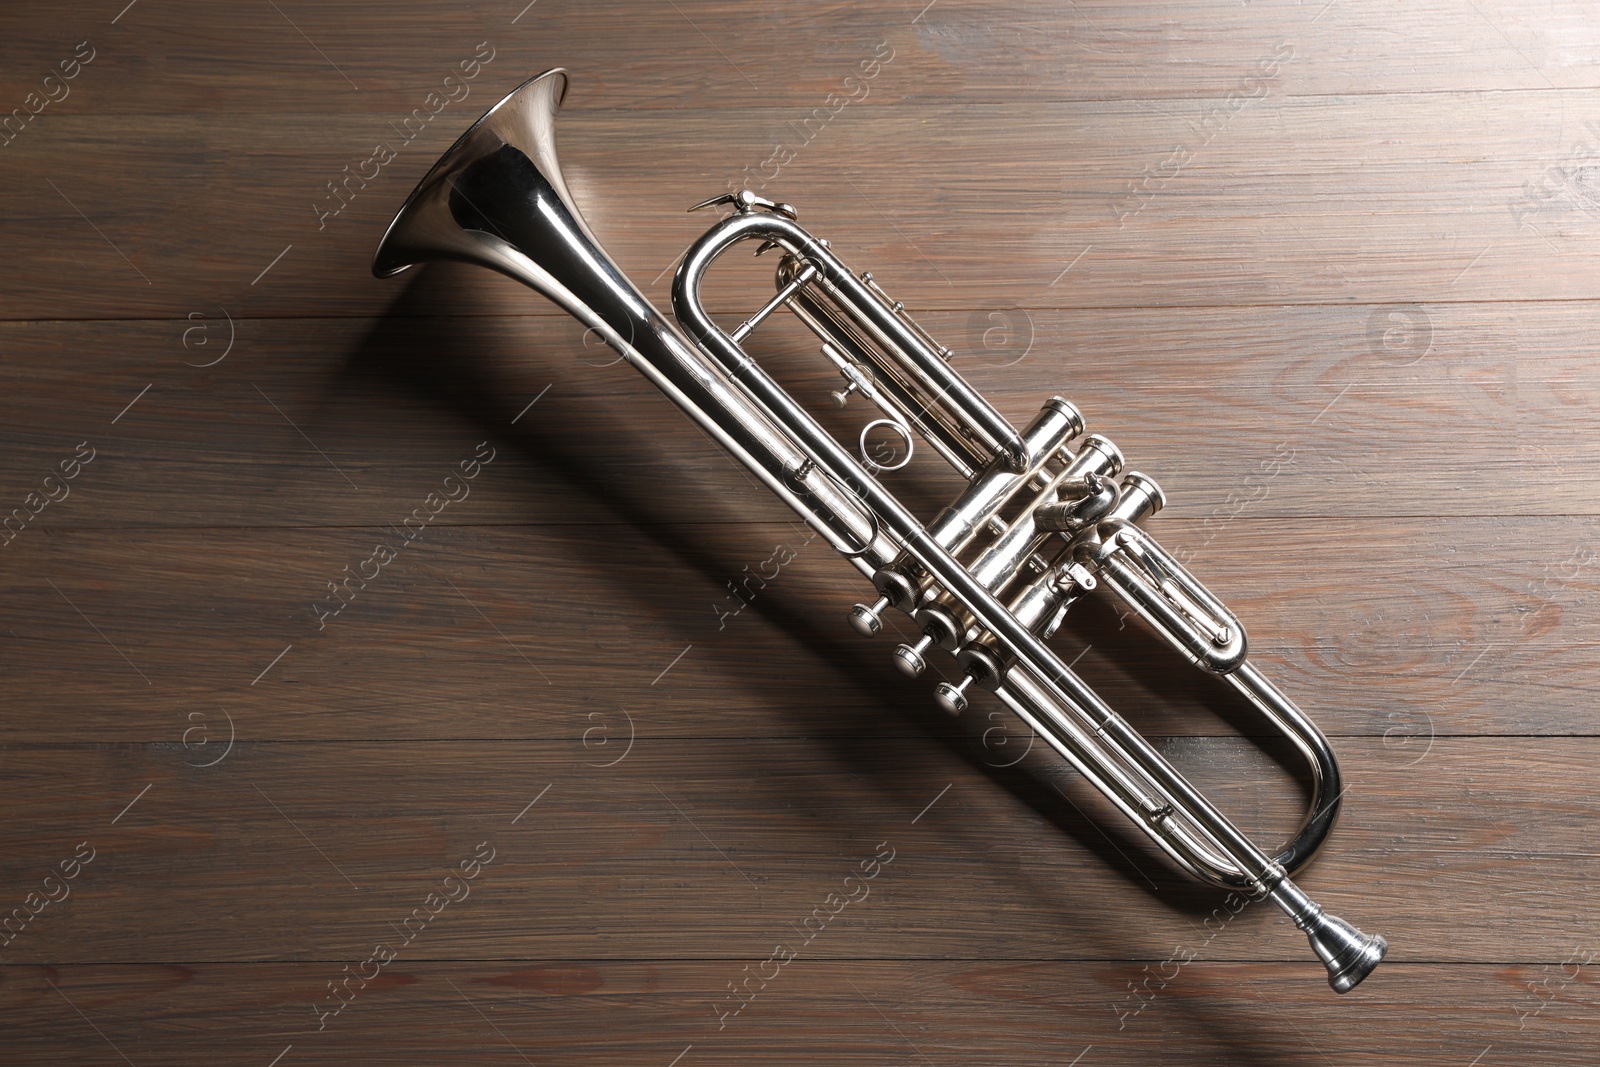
point(418, 353)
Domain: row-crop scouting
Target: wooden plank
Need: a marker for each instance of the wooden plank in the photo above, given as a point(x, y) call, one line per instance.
point(972, 206)
point(703, 54)
point(861, 1012)
point(1399, 629)
point(708, 848)
point(1302, 411)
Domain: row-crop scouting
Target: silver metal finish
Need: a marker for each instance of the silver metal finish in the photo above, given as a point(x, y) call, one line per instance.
point(989, 579)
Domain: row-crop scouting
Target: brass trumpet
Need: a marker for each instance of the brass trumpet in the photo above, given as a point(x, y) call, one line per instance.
point(989, 579)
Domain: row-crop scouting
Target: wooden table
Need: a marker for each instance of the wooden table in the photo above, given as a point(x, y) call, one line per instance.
point(557, 773)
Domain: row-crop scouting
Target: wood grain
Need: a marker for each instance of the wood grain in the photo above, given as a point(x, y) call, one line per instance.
point(706, 54)
point(1354, 422)
point(1386, 640)
point(1325, 271)
point(861, 1012)
point(1232, 222)
point(706, 848)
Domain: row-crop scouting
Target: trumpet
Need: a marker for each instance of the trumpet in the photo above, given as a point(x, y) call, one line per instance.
point(1044, 520)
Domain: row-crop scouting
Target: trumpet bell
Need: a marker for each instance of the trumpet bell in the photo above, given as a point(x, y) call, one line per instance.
point(428, 225)
point(497, 198)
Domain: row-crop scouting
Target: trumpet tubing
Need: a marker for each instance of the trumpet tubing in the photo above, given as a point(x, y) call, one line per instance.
point(1041, 523)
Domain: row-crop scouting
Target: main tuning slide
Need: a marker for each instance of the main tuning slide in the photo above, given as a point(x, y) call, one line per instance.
point(1048, 515)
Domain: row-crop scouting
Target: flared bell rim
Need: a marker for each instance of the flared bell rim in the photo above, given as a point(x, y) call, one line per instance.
point(385, 264)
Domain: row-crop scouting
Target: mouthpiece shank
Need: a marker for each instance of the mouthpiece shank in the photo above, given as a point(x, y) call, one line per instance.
point(1347, 953)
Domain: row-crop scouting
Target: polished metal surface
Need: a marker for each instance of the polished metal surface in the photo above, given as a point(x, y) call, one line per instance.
point(986, 589)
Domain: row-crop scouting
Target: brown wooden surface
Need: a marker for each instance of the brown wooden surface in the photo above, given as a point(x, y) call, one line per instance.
point(1353, 337)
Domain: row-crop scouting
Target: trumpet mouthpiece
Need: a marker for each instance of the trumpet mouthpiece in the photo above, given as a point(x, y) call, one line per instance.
point(1348, 954)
